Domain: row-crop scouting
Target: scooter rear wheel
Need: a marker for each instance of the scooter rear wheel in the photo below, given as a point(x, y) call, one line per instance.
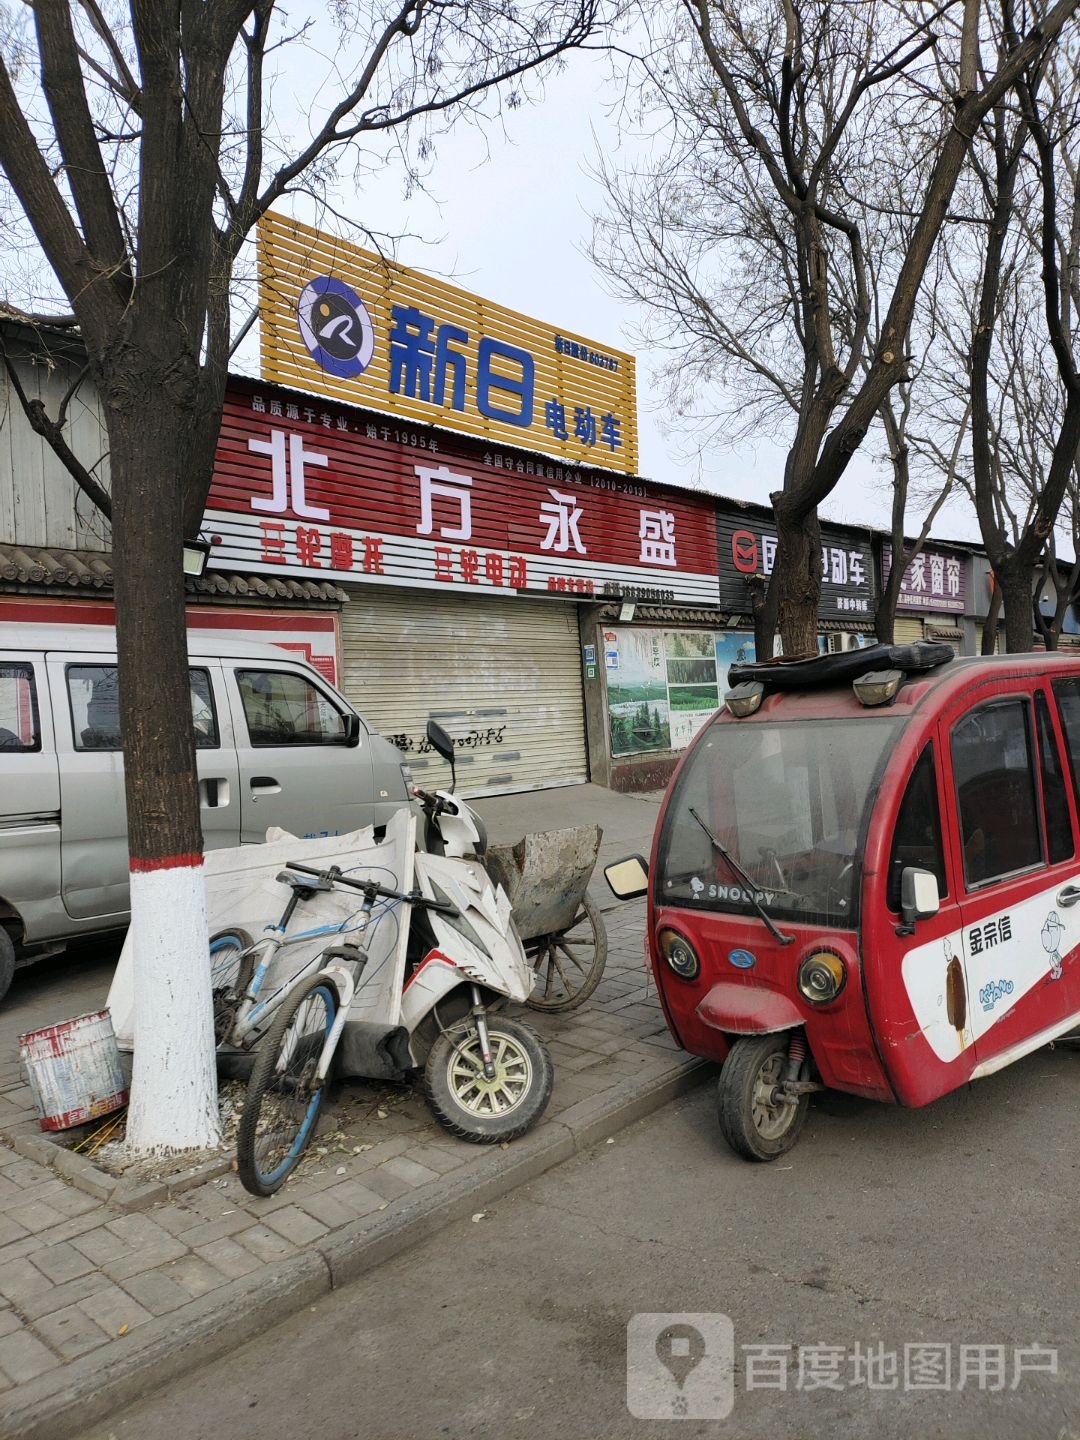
point(754, 1124)
point(485, 1111)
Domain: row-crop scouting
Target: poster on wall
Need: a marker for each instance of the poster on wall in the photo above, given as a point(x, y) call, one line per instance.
point(691, 678)
point(732, 648)
point(666, 684)
point(637, 691)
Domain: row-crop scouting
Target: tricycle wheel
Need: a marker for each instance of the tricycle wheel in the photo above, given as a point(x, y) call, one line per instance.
point(467, 1103)
point(755, 1122)
point(568, 965)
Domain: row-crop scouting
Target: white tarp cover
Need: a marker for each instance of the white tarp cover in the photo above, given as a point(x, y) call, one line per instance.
point(242, 892)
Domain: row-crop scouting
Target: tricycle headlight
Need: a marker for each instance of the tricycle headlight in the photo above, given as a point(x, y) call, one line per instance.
point(680, 955)
point(822, 977)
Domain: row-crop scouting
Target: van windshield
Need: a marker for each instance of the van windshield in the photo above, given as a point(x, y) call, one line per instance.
point(787, 803)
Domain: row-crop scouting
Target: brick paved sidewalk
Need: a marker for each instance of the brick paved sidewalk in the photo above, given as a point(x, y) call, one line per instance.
point(91, 1296)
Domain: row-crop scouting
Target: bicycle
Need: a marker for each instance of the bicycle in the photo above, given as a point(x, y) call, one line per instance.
point(294, 1056)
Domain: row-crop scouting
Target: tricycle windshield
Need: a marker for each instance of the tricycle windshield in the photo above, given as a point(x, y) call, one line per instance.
point(785, 803)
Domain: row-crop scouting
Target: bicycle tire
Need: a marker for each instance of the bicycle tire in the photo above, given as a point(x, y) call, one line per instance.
point(282, 1107)
point(232, 965)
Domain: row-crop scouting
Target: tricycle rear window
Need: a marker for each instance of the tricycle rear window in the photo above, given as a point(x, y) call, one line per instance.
point(784, 802)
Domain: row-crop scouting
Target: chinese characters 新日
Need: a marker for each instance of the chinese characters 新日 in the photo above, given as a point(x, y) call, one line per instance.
point(430, 362)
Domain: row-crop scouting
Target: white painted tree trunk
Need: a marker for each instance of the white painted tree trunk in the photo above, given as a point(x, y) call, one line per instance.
point(174, 1077)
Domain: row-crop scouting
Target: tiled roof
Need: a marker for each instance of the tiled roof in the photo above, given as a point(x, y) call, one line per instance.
point(56, 570)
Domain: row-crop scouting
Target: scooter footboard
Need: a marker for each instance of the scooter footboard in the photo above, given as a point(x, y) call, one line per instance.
point(374, 1051)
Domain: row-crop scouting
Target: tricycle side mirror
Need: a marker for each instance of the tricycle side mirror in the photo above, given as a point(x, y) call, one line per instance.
point(919, 898)
point(627, 878)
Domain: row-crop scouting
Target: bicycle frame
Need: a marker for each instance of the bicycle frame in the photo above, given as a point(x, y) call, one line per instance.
point(256, 1011)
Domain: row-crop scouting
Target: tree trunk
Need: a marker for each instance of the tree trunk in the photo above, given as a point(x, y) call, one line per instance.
point(885, 613)
point(1019, 620)
point(174, 1082)
point(990, 624)
point(798, 561)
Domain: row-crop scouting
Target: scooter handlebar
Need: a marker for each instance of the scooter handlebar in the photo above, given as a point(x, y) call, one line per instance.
point(370, 887)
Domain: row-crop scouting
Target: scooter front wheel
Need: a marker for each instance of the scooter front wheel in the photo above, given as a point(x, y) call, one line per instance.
point(756, 1122)
point(482, 1109)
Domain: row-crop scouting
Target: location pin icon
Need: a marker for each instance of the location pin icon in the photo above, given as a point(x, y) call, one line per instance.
point(680, 1349)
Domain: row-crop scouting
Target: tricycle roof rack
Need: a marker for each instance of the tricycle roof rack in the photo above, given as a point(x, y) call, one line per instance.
point(843, 666)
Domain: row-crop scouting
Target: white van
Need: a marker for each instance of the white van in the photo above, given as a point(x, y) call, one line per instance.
point(276, 744)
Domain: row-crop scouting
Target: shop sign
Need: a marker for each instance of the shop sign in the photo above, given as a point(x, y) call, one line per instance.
point(748, 548)
point(934, 580)
point(669, 684)
point(340, 321)
point(302, 488)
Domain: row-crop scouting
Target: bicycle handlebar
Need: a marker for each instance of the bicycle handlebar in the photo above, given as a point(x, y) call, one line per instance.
point(369, 887)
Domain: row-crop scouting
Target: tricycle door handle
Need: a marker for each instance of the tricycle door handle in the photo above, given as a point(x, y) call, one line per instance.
point(1069, 896)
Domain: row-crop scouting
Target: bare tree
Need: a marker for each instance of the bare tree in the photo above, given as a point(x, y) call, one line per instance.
point(1049, 95)
point(778, 111)
point(138, 142)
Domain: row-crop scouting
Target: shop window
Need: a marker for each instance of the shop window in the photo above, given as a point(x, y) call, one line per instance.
point(19, 729)
point(285, 709)
point(1059, 834)
point(996, 793)
point(917, 841)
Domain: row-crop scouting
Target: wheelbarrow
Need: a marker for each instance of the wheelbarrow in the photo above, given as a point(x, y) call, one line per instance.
point(546, 878)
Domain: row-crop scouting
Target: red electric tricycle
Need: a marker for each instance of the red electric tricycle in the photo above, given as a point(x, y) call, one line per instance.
point(864, 877)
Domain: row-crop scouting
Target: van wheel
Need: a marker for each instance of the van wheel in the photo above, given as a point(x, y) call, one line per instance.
point(7, 961)
point(755, 1122)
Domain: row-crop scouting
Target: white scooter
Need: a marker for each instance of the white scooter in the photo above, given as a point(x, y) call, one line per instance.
point(486, 1077)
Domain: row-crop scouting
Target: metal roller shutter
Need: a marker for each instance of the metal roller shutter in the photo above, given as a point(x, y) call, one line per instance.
point(502, 676)
point(907, 631)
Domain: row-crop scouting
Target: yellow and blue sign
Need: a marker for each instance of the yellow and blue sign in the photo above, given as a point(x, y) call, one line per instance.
point(344, 322)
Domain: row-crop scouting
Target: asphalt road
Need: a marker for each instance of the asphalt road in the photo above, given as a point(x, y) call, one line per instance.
point(951, 1227)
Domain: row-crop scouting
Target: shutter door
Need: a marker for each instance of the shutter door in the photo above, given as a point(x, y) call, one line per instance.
point(907, 631)
point(502, 676)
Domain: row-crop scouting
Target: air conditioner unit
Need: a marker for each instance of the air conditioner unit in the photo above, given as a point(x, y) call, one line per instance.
point(836, 641)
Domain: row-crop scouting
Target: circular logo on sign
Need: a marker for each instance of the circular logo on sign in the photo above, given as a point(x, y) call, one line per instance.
point(743, 959)
point(336, 327)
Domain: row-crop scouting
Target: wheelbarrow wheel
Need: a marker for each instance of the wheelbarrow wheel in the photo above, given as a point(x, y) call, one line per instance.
point(568, 965)
point(755, 1122)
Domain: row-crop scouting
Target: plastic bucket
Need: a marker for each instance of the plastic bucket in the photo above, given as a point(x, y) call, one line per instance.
point(73, 1070)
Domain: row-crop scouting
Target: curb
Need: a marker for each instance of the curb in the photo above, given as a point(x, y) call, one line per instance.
point(68, 1400)
point(122, 1193)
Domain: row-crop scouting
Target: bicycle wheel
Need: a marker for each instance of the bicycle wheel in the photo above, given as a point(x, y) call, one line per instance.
point(569, 964)
point(231, 967)
point(283, 1096)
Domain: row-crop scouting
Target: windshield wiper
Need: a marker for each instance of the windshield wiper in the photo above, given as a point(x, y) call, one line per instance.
point(751, 887)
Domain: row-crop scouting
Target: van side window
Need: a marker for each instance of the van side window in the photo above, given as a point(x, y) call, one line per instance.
point(917, 840)
point(203, 714)
point(1058, 825)
point(995, 790)
point(19, 728)
point(94, 694)
point(286, 709)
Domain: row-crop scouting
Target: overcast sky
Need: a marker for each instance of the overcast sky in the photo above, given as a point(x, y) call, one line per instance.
point(508, 216)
